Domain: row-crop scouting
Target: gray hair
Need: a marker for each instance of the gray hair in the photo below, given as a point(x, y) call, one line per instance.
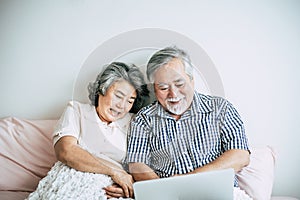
point(164, 56)
point(120, 71)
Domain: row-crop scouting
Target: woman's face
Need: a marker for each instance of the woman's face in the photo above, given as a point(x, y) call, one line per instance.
point(117, 101)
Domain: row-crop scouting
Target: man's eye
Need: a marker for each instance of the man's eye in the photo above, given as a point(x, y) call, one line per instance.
point(179, 84)
point(163, 88)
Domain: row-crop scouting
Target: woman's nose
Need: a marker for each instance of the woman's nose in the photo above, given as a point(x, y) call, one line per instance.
point(121, 104)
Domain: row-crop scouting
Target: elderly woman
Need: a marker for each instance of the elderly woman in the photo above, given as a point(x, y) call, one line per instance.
point(90, 140)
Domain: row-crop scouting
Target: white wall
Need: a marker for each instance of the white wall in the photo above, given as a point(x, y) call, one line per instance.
point(254, 45)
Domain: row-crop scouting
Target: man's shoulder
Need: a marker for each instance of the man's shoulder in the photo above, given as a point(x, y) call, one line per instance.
point(145, 116)
point(209, 98)
point(210, 102)
point(149, 110)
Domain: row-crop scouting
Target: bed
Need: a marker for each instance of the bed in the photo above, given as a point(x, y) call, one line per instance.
point(27, 155)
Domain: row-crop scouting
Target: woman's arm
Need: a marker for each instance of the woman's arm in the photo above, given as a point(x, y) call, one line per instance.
point(69, 152)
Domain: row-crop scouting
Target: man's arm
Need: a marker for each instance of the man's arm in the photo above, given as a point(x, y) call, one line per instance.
point(141, 172)
point(234, 158)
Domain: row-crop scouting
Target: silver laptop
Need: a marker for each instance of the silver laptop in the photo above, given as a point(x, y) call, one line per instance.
point(213, 185)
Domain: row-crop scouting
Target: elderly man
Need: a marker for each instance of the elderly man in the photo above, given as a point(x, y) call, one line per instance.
point(183, 132)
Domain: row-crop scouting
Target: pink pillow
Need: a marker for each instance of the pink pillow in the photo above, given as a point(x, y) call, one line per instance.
point(9, 195)
point(26, 153)
point(283, 198)
point(257, 178)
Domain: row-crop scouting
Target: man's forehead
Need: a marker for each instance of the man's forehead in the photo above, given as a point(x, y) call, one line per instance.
point(166, 82)
point(169, 73)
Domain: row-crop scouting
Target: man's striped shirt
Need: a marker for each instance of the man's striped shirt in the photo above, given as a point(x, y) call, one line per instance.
point(207, 129)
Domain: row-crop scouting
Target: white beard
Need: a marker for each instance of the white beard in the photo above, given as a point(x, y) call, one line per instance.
point(177, 109)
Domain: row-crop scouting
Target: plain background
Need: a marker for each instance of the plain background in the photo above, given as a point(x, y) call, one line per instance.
point(254, 45)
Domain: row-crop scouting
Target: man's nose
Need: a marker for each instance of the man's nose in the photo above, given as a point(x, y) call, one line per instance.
point(173, 91)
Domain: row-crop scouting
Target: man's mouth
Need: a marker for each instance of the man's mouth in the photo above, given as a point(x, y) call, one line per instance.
point(174, 101)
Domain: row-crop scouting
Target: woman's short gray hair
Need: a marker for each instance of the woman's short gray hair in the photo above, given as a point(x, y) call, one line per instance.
point(118, 71)
point(164, 56)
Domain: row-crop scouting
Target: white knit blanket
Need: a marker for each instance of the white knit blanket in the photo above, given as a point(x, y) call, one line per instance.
point(65, 183)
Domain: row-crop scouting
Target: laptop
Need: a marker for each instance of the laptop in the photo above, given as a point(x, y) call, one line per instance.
point(213, 185)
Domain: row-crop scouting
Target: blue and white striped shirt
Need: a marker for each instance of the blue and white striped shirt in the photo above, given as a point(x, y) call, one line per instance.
point(209, 128)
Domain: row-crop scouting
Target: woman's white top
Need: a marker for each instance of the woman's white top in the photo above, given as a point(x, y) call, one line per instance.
point(107, 141)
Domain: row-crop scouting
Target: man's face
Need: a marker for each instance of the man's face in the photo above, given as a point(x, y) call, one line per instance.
point(173, 87)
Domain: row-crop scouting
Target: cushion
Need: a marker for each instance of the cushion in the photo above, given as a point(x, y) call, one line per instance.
point(283, 198)
point(257, 178)
point(26, 153)
point(13, 195)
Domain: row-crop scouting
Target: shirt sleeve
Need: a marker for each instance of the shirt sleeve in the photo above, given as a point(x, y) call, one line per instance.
point(232, 129)
point(138, 145)
point(68, 124)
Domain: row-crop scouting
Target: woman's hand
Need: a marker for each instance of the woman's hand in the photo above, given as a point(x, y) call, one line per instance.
point(114, 191)
point(123, 182)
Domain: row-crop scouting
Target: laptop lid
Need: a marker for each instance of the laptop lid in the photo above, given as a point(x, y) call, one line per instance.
point(213, 185)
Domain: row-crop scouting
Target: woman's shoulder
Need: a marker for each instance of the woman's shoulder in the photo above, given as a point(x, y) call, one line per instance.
point(80, 109)
point(79, 105)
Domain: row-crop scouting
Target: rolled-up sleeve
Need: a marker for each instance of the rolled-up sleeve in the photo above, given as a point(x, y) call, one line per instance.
point(233, 131)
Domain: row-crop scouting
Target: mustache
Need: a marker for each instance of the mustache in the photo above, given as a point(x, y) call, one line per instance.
point(174, 99)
